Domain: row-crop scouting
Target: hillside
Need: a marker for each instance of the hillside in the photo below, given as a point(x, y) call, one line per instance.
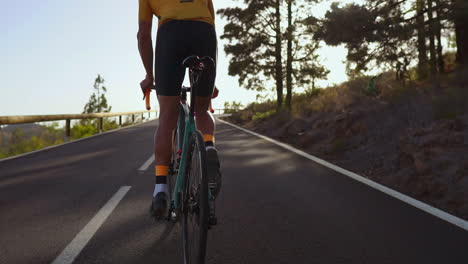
point(29, 130)
point(19, 139)
point(412, 137)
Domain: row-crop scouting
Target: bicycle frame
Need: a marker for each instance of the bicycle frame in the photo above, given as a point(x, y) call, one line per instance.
point(190, 126)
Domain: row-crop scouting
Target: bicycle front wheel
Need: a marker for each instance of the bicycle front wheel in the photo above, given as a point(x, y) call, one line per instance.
point(195, 206)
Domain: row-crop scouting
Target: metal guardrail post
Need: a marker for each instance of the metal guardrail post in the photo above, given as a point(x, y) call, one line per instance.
point(101, 124)
point(120, 121)
point(67, 130)
point(133, 118)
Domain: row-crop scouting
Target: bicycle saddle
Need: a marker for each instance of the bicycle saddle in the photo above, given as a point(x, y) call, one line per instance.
point(195, 62)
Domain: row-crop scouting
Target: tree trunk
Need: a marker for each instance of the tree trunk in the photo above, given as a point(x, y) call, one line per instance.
point(432, 48)
point(278, 55)
point(289, 70)
point(99, 100)
point(438, 25)
point(397, 71)
point(422, 50)
point(461, 31)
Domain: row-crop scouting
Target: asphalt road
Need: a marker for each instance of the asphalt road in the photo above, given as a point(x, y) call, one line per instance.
point(275, 207)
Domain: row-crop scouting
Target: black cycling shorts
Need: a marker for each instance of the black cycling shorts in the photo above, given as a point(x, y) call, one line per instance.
point(175, 41)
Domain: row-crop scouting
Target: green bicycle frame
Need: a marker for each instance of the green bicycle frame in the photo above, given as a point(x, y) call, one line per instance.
point(190, 127)
point(186, 113)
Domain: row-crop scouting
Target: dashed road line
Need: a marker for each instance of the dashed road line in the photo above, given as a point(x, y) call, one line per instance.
point(147, 163)
point(73, 249)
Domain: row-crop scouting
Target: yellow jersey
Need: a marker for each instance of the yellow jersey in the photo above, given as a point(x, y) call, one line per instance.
point(166, 10)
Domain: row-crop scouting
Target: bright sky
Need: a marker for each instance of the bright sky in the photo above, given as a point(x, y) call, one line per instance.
point(51, 51)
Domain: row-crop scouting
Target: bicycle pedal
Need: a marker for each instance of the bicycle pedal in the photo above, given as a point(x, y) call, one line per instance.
point(212, 221)
point(160, 219)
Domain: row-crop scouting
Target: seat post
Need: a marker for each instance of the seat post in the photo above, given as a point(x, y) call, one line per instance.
point(194, 86)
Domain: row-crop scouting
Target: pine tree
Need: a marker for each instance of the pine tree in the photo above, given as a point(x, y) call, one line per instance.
point(254, 36)
point(421, 35)
point(289, 58)
point(389, 33)
point(460, 19)
point(438, 29)
point(257, 38)
point(302, 64)
point(98, 103)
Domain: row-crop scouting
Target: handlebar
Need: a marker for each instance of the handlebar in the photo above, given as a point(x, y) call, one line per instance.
point(147, 98)
point(187, 89)
point(211, 109)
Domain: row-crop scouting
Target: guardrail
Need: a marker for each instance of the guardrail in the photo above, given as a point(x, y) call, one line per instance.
point(11, 120)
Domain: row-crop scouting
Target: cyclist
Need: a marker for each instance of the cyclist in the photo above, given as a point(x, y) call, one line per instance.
point(186, 27)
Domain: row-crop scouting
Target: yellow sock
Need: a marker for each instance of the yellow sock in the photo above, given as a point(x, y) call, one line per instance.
point(208, 138)
point(161, 170)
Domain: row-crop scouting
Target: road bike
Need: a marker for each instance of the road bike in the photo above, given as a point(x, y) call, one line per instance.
point(192, 199)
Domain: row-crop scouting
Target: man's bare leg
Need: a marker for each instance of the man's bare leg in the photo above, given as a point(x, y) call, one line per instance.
point(204, 119)
point(206, 124)
point(169, 110)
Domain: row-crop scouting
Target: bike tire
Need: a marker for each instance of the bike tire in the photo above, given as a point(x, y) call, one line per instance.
point(195, 205)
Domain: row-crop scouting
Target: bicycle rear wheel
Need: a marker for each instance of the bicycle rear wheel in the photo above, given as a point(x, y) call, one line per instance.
point(195, 207)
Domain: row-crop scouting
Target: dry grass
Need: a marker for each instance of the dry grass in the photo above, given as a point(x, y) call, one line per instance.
point(450, 102)
point(447, 101)
point(332, 99)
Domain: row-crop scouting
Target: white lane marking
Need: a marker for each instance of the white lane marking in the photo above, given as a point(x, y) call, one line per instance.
point(147, 163)
point(69, 254)
point(404, 198)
